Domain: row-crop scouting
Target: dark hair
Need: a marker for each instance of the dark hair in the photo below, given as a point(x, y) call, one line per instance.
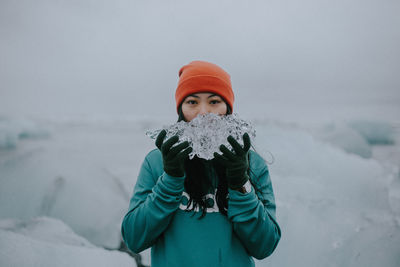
point(196, 184)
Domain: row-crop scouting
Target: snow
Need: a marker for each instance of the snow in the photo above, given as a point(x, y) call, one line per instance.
point(65, 193)
point(334, 207)
point(44, 241)
point(74, 162)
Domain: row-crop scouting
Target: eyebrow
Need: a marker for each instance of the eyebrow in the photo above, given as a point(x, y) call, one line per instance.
point(207, 97)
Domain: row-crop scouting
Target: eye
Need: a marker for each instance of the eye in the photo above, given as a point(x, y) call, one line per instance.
point(191, 102)
point(215, 101)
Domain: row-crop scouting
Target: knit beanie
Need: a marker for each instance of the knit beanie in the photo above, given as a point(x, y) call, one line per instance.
point(203, 77)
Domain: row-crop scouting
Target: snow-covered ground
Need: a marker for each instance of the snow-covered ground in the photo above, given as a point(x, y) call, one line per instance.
point(44, 241)
point(65, 185)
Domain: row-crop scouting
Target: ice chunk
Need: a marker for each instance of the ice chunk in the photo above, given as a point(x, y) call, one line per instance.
point(339, 134)
point(46, 229)
point(11, 131)
point(358, 136)
point(45, 241)
point(207, 132)
point(374, 132)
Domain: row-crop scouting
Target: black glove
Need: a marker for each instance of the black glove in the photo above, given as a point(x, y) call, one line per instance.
point(173, 157)
point(236, 163)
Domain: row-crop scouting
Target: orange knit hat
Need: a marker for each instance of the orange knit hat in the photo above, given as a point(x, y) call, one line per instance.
point(202, 77)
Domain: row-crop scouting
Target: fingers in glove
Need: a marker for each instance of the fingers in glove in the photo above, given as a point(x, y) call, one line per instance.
point(236, 146)
point(160, 138)
point(227, 153)
point(246, 142)
point(185, 153)
point(178, 148)
point(221, 159)
point(166, 146)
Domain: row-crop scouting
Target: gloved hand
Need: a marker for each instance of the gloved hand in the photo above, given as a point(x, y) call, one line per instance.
point(236, 163)
point(173, 157)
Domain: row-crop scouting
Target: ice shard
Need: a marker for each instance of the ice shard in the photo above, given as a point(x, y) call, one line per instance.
point(207, 132)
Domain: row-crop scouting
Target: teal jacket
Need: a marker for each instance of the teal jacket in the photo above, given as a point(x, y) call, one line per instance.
point(157, 218)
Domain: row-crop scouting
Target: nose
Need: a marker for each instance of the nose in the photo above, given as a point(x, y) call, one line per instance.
point(204, 109)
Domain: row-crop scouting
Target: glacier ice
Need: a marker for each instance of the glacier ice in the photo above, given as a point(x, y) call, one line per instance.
point(12, 131)
point(374, 132)
point(207, 132)
point(345, 206)
point(29, 242)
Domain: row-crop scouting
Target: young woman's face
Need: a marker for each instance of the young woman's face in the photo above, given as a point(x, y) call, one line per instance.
point(202, 103)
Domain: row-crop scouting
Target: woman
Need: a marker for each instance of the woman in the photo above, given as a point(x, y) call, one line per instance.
point(198, 212)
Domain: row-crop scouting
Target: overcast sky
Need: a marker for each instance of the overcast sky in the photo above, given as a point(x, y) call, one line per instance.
point(286, 58)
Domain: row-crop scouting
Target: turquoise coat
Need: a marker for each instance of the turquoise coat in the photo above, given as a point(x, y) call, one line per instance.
point(157, 218)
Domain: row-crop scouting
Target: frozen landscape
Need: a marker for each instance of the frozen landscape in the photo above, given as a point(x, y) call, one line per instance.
point(82, 81)
point(65, 186)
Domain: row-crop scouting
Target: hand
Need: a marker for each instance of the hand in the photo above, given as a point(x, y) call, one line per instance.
point(236, 163)
point(173, 157)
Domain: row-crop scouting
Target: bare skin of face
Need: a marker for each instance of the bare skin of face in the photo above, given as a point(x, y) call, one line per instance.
point(203, 103)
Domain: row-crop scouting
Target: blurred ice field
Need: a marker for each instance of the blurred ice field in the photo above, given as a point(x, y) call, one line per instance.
point(336, 184)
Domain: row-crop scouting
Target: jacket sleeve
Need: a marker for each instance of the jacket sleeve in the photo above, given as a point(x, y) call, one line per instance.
point(154, 201)
point(253, 214)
